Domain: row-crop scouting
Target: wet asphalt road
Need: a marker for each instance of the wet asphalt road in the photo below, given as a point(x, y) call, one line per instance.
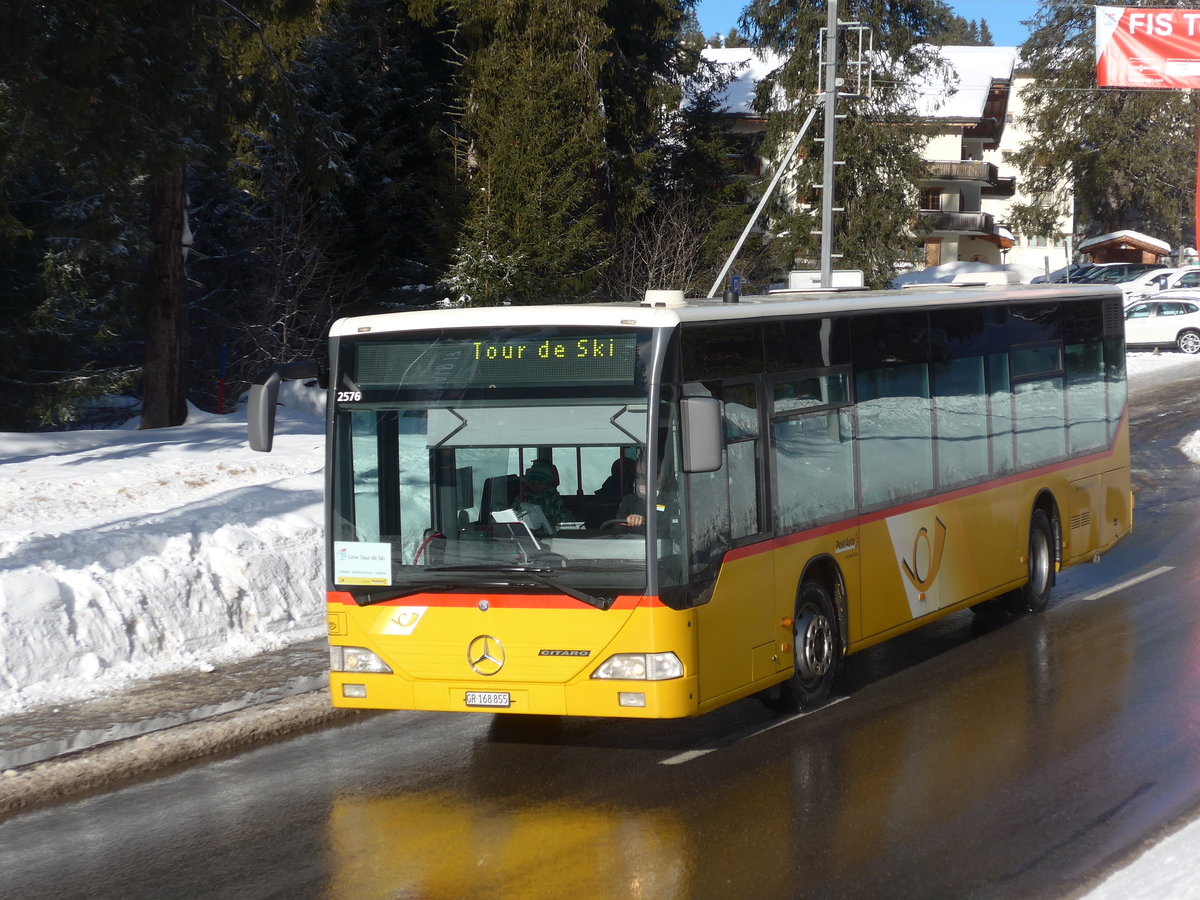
point(1020, 759)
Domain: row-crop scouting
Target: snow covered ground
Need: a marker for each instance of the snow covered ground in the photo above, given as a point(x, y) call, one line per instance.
point(126, 554)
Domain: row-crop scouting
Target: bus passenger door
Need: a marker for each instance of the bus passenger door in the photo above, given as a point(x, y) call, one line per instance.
point(736, 618)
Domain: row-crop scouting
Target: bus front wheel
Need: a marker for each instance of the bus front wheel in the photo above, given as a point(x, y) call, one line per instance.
point(816, 652)
point(1033, 597)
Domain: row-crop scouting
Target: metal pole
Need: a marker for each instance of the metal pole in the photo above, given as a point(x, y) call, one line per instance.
point(831, 93)
point(787, 157)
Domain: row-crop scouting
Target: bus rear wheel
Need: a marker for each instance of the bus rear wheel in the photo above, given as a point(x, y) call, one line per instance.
point(816, 652)
point(1033, 597)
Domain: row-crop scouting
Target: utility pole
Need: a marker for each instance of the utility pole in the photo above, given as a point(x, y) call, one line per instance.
point(827, 170)
point(829, 87)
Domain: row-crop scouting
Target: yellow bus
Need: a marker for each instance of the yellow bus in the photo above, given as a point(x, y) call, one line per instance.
point(654, 510)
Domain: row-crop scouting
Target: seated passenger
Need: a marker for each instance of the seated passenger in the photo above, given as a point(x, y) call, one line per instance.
point(620, 482)
point(538, 490)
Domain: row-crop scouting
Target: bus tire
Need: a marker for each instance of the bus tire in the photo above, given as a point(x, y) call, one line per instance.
point(1035, 594)
point(816, 652)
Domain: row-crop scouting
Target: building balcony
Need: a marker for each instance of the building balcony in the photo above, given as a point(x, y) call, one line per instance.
point(963, 170)
point(1005, 186)
point(958, 222)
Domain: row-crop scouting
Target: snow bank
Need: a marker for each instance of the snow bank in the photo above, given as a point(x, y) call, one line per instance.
point(126, 554)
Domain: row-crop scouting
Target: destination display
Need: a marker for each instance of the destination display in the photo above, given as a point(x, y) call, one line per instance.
point(496, 362)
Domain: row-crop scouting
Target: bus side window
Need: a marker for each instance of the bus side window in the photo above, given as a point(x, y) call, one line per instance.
point(895, 433)
point(960, 409)
point(814, 468)
point(1086, 412)
point(741, 454)
point(1039, 397)
point(1000, 432)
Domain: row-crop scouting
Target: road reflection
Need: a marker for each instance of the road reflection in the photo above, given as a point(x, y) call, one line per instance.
point(447, 846)
point(925, 769)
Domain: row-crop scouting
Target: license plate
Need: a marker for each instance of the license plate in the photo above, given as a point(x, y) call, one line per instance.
point(496, 699)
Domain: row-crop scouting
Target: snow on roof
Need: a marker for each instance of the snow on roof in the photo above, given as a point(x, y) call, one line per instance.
point(749, 67)
point(1125, 235)
point(957, 92)
point(962, 92)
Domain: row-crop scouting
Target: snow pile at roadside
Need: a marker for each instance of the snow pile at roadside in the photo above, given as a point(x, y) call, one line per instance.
point(1148, 368)
point(1170, 870)
point(126, 554)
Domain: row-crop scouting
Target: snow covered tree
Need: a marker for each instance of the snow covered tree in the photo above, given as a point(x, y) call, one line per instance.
point(384, 79)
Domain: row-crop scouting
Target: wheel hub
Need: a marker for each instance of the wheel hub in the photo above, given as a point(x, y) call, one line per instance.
point(814, 644)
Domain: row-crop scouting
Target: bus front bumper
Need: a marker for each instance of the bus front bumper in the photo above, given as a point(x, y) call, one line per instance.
point(674, 698)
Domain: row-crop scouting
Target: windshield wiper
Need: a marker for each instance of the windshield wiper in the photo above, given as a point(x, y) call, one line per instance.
point(539, 573)
point(582, 596)
point(382, 595)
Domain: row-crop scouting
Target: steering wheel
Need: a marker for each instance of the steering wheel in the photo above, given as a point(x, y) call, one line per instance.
point(614, 523)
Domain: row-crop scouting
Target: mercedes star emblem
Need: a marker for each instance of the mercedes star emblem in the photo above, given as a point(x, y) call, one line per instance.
point(485, 655)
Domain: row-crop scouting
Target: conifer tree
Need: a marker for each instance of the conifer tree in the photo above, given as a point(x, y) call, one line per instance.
point(561, 126)
point(530, 140)
point(139, 91)
point(382, 78)
point(1128, 157)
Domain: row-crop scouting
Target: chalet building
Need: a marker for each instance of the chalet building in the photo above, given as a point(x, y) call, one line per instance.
point(1044, 253)
point(964, 112)
point(1126, 246)
point(970, 114)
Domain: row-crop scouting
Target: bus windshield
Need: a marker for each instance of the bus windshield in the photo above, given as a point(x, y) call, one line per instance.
point(455, 474)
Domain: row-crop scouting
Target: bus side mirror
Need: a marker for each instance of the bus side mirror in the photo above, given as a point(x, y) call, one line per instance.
point(264, 396)
point(260, 413)
point(703, 433)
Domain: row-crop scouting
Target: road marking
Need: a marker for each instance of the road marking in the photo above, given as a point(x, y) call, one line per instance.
point(1161, 570)
point(689, 755)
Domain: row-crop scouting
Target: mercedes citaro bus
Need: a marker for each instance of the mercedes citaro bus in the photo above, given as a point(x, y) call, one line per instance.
point(815, 474)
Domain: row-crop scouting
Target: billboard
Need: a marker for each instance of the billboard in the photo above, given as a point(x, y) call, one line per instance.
point(1147, 48)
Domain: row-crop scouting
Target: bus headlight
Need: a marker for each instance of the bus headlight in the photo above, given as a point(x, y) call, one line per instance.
point(356, 659)
point(640, 667)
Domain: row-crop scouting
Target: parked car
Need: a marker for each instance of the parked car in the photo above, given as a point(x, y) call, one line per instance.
point(1141, 286)
point(1113, 273)
point(1164, 323)
point(1184, 277)
point(1066, 273)
point(1187, 295)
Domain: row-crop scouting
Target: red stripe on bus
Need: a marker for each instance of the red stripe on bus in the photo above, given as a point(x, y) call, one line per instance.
point(495, 601)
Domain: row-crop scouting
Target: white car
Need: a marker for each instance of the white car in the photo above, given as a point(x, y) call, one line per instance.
point(1184, 277)
point(1147, 283)
point(1164, 323)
